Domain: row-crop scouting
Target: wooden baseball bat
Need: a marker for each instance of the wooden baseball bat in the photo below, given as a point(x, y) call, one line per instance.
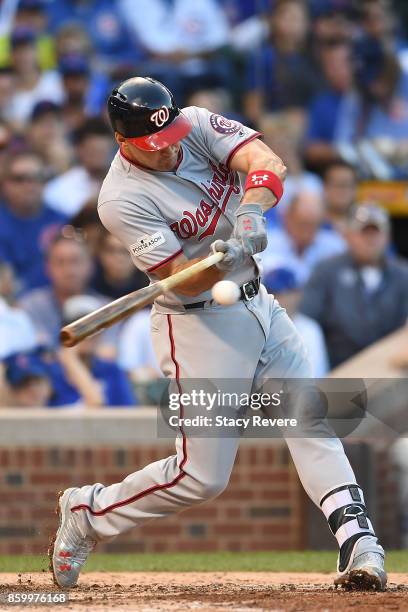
point(117, 310)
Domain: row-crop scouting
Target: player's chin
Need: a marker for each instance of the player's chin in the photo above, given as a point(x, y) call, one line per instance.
point(165, 165)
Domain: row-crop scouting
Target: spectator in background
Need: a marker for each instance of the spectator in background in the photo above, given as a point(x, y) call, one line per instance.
point(379, 21)
point(85, 83)
point(31, 84)
point(73, 39)
point(331, 20)
point(32, 15)
point(28, 384)
point(75, 73)
point(183, 41)
point(16, 330)
point(68, 192)
point(70, 377)
point(359, 296)
point(379, 113)
point(301, 242)
point(108, 30)
point(368, 126)
point(340, 191)
point(281, 75)
point(27, 225)
point(249, 22)
point(137, 357)
point(70, 268)
point(135, 349)
point(115, 273)
point(337, 69)
point(85, 90)
point(282, 283)
point(78, 375)
point(45, 136)
point(283, 133)
point(88, 224)
point(216, 100)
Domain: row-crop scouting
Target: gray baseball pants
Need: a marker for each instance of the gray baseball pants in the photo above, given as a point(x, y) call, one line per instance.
point(248, 342)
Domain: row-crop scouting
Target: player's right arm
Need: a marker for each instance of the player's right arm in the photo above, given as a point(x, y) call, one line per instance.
point(234, 255)
point(154, 248)
point(196, 285)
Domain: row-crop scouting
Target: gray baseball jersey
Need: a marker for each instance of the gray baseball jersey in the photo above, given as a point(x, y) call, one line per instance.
point(159, 215)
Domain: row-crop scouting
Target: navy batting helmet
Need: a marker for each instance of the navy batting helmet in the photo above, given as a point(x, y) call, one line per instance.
point(145, 112)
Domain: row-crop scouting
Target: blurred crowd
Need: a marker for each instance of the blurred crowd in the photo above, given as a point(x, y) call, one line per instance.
point(325, 81)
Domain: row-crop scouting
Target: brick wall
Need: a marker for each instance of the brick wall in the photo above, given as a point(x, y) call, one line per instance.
point(263, 508)
point(260, 510)
point(387, 494)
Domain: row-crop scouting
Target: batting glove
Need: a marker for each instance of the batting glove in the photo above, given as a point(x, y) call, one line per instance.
point(250, 228)
point(234, 254)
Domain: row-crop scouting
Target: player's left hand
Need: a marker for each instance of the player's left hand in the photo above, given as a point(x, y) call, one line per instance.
point(234, 254)
point(250, 228)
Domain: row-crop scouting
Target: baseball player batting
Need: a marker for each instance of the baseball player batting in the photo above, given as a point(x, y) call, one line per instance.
point(174, 193)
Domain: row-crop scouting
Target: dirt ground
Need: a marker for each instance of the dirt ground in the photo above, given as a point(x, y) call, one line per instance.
point(235, 592)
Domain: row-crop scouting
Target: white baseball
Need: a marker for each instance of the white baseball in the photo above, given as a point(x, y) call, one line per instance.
point(226, 292)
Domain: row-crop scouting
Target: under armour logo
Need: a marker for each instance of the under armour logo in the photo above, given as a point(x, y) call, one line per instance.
point(259, 179)
point(160, 116)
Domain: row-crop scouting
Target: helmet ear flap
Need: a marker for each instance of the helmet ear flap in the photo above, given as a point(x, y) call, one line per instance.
point(118, 102)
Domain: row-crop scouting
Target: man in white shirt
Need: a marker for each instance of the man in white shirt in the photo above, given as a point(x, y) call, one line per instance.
point(165, 28)
point(16, 330)
point(135, 348)
point(181, 39)
point(32, 85)
point(69, 192)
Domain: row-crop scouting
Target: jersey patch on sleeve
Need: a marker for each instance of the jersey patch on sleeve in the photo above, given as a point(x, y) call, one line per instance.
point(145, 244)
point(224, 126)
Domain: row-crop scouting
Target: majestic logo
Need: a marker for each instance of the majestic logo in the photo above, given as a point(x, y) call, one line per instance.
point(224, 126)
point(219, 191)
point(160, 116)
point(147, 244)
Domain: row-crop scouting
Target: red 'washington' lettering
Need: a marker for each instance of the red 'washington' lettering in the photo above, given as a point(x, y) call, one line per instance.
point(221, 188)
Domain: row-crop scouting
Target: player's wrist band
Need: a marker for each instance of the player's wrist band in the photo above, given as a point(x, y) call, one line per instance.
point(265, 178)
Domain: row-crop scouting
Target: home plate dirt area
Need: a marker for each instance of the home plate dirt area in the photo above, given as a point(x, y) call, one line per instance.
point(205, 591)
